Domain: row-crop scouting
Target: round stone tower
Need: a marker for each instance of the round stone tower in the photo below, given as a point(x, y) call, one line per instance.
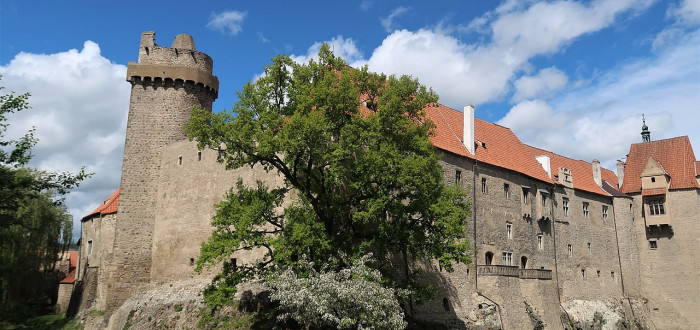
point(165, 84)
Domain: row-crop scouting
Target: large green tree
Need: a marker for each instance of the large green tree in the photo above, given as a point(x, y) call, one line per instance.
point(359, 169)
point(34, 223)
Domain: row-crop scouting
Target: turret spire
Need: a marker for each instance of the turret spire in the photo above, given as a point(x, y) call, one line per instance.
point(646, 135)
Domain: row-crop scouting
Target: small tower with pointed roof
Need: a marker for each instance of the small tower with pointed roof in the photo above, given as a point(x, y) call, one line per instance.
point(646, 135)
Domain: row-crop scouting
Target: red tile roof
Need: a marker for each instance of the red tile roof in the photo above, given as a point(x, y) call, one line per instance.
point(73, 257)
point(495, 144)
point(498, 146)
point(674, 155)
point(651, 192)
point(108, 206)
point(581, 171)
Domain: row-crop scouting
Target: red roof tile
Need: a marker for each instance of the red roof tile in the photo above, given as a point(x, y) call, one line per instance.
point(581, 171)
point(495, 144)
point(73, 257)
point(651, 192)
point(70, 278)
point(498, 146)
point(674, 155)
point(108, 206)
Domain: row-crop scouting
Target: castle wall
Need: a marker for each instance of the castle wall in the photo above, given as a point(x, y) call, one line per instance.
point(158, 109)
point(192, 182)
point(669, 272)
point(98, 235)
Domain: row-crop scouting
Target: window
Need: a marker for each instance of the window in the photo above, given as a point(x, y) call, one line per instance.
point(507, 258)
point(446, 304)
point(570, 250)
point(540, 243)
point(526, 194)
point(458, 177)
point(656, 207)
point(199, 155)
point(630, 207)
point(605, 212)
point(509, 230)
point(565, 206)
point(583, 273)
point(612, 275)
point(589, 248)
point(89, 249)
point(191, 261)
point(598, 273)
point(544, 200)
point(652, 245)
point(506, 190)
point(484, 189)
point(179, 160)
point(489, 258)
point(653, 179)
point(585, 210)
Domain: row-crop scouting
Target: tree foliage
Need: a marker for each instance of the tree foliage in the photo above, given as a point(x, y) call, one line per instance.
point(34, 223)
point(328, 299)
point(360, 174)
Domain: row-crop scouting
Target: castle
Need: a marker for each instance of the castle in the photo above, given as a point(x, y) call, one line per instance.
point(552, 236)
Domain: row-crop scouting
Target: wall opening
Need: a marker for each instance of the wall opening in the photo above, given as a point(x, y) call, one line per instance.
point(446, 304)
point(523, 262)
point(199, 155)
point(489, 258)
point(179, 160)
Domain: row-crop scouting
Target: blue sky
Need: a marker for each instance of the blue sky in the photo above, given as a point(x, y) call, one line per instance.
point(573, 77)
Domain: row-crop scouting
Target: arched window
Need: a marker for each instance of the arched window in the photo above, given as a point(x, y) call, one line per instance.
point(523, 262)
point(489, 257)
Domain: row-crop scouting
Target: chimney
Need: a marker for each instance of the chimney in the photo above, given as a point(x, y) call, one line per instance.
point(620, 173)
point(546, 164)
point(469, 128)
point(596, 173)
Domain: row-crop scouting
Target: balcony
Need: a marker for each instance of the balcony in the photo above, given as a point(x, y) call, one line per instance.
point(514, 271)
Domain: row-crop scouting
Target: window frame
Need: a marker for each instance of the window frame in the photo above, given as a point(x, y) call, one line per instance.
point(507, 258)
point(656, 207)
point(565, 205)
point(586, 212)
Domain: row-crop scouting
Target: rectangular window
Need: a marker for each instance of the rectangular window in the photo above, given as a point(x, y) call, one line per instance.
point(565, 206)
point(656, 207)
point(484, 189)
point(540, 242)
point(526, 194)
point(652, 245)
point(506, 190)
point(585, 210)
point(589, 248)
point(507, 258)
point(199, 155)
point(509, 230)
point(570, 250)
point(605, 212)
point(89, 247)
point(458, 177)
point(179, 160)
point(583, 273)
point(544, 201)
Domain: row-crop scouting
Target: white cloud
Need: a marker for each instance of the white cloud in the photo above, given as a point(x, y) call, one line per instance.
point(542, 85)
point(79, 105)
point(686, 12)
point(602, 119)
point(342, 47)
point(365, 5)
point(388, 22)
point(262, 38)
point(481, 72)
point(227, 22)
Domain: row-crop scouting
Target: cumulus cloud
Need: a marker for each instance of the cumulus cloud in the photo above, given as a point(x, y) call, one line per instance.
point(542, 85)
point(481, 72)
point(345, 48)
point(79, 106)
point(603, 118)
point(227, 22)
point(388, 22)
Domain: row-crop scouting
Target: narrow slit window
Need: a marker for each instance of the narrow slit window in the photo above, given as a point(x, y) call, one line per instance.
point(484, 188)
point(585, 211)
point(179, 160)
point(506, 190)
point(458, 177)
point(540, 242)
point(509, 230)
point(199, 155)
point(570, 250)
point(605, 212)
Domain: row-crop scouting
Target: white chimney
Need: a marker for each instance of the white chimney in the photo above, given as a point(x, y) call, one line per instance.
point(469, 128)
point(620, 173)
point(596, 173)
point(546, 164)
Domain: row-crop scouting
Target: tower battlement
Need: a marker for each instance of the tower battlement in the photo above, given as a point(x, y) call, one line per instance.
point(172, 66)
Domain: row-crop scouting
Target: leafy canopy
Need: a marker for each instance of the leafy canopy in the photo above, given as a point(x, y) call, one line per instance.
point(360, 174)
point(34, 223)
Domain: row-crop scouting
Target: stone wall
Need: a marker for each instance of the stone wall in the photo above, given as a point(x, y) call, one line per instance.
point(192, 182)
point(669, 272)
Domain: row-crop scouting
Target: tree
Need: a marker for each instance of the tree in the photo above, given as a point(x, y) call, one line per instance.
point(329, 299)
point(34, 223)
point(354, 151)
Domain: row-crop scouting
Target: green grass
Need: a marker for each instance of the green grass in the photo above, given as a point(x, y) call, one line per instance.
point(45, 322)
